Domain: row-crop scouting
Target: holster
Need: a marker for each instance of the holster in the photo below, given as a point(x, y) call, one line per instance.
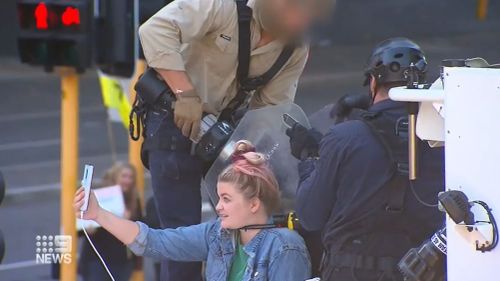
point(151, 89)
point(152, 94)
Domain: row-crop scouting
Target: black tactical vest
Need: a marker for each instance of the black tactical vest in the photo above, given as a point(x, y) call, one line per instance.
point(377, 239)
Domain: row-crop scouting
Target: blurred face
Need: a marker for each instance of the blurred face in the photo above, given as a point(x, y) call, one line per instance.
point(234, 210)
point(288, 19)
point(125, 179)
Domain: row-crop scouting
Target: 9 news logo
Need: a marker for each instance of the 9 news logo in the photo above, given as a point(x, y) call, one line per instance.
point(53, 249)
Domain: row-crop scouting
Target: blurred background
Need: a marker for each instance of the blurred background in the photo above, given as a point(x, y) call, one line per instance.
point(30, 102)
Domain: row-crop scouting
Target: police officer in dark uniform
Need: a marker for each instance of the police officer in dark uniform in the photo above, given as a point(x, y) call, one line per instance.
point(356, 190)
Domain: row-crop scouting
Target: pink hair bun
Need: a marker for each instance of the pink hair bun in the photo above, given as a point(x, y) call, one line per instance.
point(245, 150)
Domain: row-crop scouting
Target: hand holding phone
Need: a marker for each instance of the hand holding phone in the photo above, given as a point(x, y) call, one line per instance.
point(86, 184)
point(304, 143)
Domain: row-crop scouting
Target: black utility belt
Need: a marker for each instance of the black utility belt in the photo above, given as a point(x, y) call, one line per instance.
point(363, 262)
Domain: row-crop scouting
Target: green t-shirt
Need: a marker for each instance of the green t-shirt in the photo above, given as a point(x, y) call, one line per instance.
point(239, 264)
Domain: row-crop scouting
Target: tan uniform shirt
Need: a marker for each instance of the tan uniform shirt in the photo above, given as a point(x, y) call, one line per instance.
point(201, 38)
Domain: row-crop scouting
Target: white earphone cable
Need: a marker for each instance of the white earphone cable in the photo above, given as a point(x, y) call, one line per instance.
point(95, 250)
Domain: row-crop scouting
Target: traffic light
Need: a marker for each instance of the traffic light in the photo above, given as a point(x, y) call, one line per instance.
point(116, 29)
point(2, 240)
point(55, 33)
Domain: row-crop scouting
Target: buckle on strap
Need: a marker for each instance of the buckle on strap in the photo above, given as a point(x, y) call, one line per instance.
point(402, 127)
point(251, 84)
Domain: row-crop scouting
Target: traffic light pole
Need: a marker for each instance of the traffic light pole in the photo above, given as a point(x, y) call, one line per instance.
point(134, 147)
point(134, 152)
point(482, 9)
point(69, 164)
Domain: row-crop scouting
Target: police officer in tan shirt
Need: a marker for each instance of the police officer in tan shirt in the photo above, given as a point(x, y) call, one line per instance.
point(193, 45)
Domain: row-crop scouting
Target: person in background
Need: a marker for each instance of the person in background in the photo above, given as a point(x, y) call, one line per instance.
point(121, 262)
point(239, 245)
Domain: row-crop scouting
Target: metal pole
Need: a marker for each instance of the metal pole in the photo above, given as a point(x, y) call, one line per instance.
point(134, 152)
point(69, 164)
point(134, 148)
point(412, 140)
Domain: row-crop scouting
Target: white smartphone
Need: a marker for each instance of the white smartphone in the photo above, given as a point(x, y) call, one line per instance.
point(86, 183)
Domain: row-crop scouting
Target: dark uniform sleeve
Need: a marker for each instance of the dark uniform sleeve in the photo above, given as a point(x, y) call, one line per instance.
point(317, 190)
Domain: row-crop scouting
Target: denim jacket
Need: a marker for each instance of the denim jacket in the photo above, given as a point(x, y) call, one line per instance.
point(276, 254)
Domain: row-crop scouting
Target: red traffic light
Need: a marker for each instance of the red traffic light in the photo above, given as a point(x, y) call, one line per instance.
point(41, 16)
point(55, 33)
point(50, 16)
point(70, 16)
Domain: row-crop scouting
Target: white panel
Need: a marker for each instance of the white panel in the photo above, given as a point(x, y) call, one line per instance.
point(415, 95)
point(472, 123)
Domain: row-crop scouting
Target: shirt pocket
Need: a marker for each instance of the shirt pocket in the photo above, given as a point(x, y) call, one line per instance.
point(260, 272)
point(226, 43)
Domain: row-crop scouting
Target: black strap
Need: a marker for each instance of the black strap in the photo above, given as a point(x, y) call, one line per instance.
point(388, 136)
point(251, 84)
point(245, 83)
point(372, 263)
point(244, 43)
point(397, 191)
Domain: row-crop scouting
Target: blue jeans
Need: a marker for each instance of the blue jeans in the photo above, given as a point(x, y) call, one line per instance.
point(175, 178)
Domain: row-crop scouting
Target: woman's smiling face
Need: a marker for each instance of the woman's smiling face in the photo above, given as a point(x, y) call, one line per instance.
point(234, 210)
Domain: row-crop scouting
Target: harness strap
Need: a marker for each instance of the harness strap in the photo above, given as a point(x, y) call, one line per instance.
point(244, 44)
point(246, 85)
point(251, 84)
point(397, 193)
point(397, 185)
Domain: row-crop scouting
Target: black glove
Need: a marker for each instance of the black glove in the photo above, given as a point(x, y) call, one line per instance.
point(344, 106)
point(304, 142)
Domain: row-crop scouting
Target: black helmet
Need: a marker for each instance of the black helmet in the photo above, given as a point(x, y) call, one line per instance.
point(392, 58)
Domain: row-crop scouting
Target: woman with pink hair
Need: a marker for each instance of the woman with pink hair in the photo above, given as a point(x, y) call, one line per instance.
point(248, 195)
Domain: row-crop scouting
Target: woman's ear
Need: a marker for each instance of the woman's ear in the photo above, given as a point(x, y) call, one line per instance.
point(255, 205)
